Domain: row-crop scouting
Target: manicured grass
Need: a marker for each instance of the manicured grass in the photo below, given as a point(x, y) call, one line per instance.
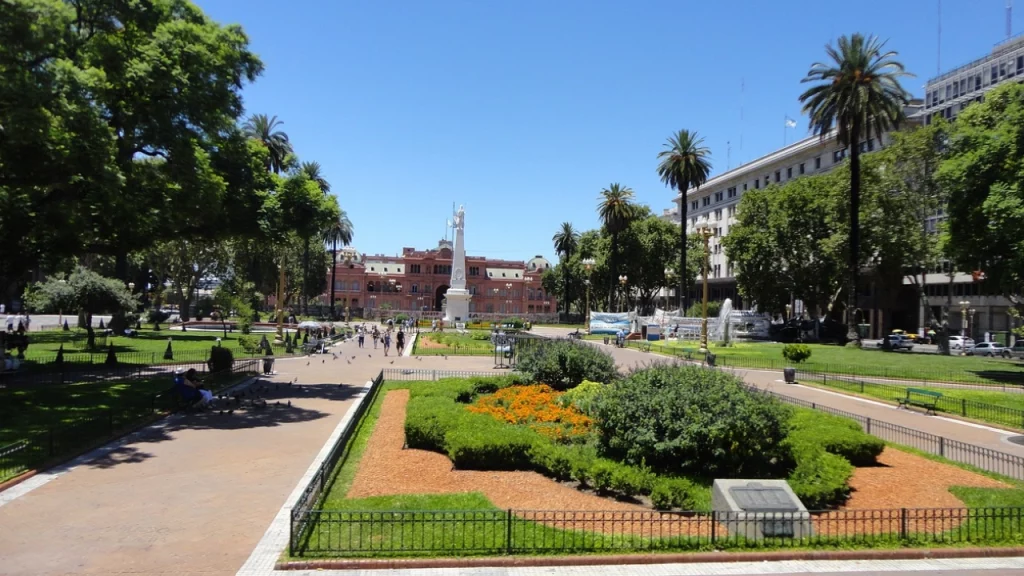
point(861, 362)
point(475, 343)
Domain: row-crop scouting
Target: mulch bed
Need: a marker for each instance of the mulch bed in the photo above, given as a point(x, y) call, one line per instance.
point(900, 480)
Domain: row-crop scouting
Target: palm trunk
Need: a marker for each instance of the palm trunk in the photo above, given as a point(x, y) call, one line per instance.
point(334, 270)
point(565, 286)
point(305, 274)
point(611, 271)
point(683, 276)
point(854, 263)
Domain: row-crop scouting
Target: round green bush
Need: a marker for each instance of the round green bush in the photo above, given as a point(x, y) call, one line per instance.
point(661, 496)
point(682, 419)
point(563, 364)
point(796, 353)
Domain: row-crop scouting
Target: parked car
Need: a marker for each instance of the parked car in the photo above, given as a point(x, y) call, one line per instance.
point(959, 342)
point(1017, 351)
point(898, 342)
point(989, 349)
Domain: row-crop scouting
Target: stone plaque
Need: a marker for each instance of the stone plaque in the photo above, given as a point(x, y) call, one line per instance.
point(755, 497)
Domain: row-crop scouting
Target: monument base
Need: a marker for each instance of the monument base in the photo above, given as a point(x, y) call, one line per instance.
point(457, 305)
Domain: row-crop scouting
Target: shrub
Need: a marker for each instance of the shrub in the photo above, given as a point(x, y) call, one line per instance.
point(630, 481)
point(796, 353)
point(820, 479)
point(661, 496)
point(564, 365)
point(221, 359)
point(584, 397)
point(482, 443)
point(250, 344)
point(687, 418)
point(552, 459)
point(428, 420)
point(837, 435)
point(668, 493)
point(601, 472)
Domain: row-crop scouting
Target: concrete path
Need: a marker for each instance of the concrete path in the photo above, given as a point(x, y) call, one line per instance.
point(194, 493)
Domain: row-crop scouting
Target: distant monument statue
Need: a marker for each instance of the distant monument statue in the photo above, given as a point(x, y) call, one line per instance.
point(457, 297)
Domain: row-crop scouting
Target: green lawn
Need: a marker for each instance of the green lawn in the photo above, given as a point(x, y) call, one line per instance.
point(146, 348)
point(475, 343)
point(861, 362)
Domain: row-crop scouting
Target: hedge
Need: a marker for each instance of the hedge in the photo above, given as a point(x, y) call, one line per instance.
point(837, 435)
point(563, 364)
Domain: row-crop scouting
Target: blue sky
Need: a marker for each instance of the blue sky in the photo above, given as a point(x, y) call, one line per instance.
point(523, 110)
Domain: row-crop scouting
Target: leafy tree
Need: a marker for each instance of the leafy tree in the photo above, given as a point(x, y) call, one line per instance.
point(858, 95)
point(616, 210)
point(685, 163)
point(982, 173)
point(305, 211)
point(186, 262)
point(338, 232)
point(651, 245)
point(566, 241)
point(84, 291)
point(264, 129)
point(315, 173)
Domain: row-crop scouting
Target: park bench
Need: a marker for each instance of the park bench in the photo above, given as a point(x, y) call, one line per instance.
point(314, 346)
point(921, 398)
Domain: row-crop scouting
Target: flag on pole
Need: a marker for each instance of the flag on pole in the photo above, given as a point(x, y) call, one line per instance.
point(790, 123)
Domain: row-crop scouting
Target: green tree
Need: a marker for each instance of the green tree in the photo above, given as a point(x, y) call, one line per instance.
point(566, 241)
point(652, 245)
point(685, 164)
point(616, 210)
point(264, 129)
point(982, 174)
point(186, 262)
point(858, 94)
point(338, 232)
point(306, 211)
point(84, 291)
point(314, 172)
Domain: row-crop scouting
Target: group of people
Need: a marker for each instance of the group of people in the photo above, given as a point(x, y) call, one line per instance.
point(383, 337)
point(17, 322)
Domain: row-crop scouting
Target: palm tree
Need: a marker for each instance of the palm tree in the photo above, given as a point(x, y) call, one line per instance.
point(616, 210)
point(566, 241)
point(313, 172)
point(265, 129)
point(857, 95)
point(685, 163)
point(339, 232)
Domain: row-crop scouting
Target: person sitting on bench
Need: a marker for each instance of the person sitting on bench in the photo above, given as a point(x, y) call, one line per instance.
point(192, 390)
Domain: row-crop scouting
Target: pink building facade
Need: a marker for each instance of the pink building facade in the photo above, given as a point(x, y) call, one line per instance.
point(417, 280)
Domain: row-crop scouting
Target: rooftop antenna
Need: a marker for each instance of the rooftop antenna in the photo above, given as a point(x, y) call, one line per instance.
point(743, 84)
point(728, 155)
point(1009, 18)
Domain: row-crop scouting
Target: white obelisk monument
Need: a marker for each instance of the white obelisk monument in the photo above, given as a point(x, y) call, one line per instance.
point(457, 297)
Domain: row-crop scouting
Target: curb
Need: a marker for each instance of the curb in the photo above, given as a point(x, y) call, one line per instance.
point(639, 559)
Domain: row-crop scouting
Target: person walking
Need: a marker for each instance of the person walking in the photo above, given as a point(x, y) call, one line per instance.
point(376, 337)
point(400, 342)
point(362, 337)
point(387, 342)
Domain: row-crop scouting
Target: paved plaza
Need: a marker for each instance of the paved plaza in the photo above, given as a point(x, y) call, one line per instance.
point(196, 493)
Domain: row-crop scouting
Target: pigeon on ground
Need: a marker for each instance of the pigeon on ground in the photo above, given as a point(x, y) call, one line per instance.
point(348, 361)
point(289, 403)
point(392, 361)
point(324, 361)
point(230, 412)
point(353, 357)
point(307, 362)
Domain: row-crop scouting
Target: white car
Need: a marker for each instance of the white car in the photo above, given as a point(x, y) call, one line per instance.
point(989, 349)
point(960, 343)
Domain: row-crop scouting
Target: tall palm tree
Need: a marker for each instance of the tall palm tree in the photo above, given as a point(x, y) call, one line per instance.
point(685, 163)
point(265, 129)
point(616, 210)
point(566, 241)
point(314, 173)
point(339, 232)
point(858, 94)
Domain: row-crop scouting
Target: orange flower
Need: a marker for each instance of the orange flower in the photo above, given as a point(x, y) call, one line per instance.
point(535, 406)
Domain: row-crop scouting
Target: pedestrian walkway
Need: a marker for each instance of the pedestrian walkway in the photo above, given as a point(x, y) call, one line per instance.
point(193, 493)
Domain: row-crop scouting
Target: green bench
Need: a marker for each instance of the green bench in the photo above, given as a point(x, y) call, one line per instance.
point(921, 398)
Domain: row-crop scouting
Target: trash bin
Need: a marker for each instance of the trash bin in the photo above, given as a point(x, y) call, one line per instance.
point(268, 365)
point(711, 359)
point(606, 340)
point(789, 374)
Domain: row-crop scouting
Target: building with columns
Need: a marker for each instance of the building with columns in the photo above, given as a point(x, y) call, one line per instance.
point(416, 281)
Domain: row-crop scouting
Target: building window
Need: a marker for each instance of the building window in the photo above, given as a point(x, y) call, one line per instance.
point(355, 286)
point(1020, 63)
point(728, 269)
point(789, 173)
point(706, 201)
point(801, 167)
point(718, 270)
point(474, 270)
point(414, 268)
point(718, 196)
point(732, 192)
point(732, 210)
point(977, 82)
point(415, 288)
point(949, 91)
point(744, 186)
point(837, 156)
point(817, 163)
point(369, 287)
point(995, 75)
point(695, 205)
point(956, 89)
point(778, 175)
point(963, 86)
point(1002, 69)
point(757, 184)
point(718, 214)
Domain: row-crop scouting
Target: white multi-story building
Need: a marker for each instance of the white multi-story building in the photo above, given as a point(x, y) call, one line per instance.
point(949, 93)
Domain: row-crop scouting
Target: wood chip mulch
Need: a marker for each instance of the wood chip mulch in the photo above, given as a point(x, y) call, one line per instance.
point(900, 480)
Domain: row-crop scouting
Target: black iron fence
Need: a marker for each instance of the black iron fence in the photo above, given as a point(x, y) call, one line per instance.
point(47, 445)
point(951, 405)
point(396, 533)
point(407, 374)
point(302, 515)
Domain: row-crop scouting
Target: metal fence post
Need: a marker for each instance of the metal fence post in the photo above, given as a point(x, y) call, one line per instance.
point(508, 532)
point(942, 446)
point(903, 523)
point(868, 426)
point(714, 526)
point(963, 407)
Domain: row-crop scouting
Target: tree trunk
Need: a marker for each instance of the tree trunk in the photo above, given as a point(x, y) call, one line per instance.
point(854, 263)
point(565, 286)
point(611, 271)
point(90, 341)
point(683, 276)
point(334, 270)
point(305, 274)
point(186, 303)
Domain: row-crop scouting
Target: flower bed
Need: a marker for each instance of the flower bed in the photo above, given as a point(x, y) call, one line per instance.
point(537, 406)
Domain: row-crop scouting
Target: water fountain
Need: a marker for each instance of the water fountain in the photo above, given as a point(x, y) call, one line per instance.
point(720, 331)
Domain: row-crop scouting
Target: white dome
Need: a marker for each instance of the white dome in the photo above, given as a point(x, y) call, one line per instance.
point(537, 264)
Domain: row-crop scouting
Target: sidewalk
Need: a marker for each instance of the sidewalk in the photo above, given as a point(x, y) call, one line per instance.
point(193, 493)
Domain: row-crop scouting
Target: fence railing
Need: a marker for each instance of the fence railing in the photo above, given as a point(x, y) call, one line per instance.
point(302, 512)
point(393, 533)
point(994, 461)
point(405, 374)
point(39, 447)
point(959, 406)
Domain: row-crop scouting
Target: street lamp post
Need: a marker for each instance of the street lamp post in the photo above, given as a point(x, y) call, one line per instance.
point(588, 265)
point(508, 301)
point(669, 276)
point(623, 279)
point(706, 234)
point(970, 323)
point(965, 305)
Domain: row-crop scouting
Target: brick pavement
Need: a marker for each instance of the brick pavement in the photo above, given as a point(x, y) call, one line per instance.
point(193, 493)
